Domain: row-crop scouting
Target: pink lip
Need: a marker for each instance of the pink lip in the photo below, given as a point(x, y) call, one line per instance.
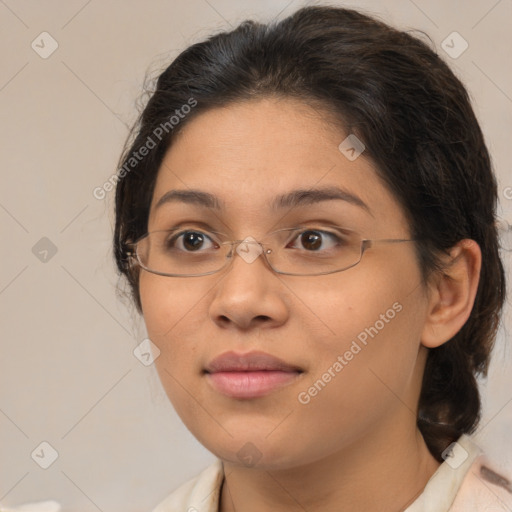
point(249, 375)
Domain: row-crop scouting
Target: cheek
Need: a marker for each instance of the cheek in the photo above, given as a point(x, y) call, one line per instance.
point(166, 301)
point(365, 331)
point(365, 358)
point(170, 309)
point(363, 303)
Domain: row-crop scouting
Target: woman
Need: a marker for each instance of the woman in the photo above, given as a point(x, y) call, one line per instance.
point(305, 215)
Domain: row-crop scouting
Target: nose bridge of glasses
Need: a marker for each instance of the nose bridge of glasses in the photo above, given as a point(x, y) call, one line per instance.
point(248, 249)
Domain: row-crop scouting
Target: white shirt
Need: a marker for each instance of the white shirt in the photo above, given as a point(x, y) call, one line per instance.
point(464, 482)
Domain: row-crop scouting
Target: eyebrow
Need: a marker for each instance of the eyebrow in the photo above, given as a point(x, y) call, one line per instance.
point(299, 197)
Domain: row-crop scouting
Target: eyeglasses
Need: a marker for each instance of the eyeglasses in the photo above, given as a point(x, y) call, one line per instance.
point(299, 251)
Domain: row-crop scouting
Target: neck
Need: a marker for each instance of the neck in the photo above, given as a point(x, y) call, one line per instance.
point(382, 471)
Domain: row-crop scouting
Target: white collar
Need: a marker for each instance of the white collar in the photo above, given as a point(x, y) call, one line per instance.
point(442, 487)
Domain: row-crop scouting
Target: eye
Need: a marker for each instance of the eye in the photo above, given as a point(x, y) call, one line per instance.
point(190, 241)
point(314, 240)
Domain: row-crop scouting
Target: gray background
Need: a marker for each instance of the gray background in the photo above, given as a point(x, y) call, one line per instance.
point(68, 375)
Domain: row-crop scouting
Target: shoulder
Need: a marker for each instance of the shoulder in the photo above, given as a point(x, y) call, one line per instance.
point(199, 494)
point(467, 481)
point(485, 487)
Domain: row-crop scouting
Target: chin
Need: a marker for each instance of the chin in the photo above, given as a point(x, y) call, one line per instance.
point(253, 451)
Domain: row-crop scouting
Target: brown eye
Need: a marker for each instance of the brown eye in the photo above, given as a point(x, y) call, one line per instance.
point(190, 241)
point(316, 240)
point(311, 240)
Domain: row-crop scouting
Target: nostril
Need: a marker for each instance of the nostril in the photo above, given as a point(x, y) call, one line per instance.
point(262, 318)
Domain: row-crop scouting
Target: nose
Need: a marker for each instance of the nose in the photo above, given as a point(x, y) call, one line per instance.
point(248, 294)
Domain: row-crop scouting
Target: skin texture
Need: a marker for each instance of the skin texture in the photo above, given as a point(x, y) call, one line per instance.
point(355, 445)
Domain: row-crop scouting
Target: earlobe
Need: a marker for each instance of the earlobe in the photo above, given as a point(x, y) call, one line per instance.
point(452, 294)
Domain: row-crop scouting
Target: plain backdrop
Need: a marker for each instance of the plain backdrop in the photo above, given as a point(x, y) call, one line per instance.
point(68, 374)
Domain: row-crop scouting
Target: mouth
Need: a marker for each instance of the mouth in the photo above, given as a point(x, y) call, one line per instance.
point(250, 375)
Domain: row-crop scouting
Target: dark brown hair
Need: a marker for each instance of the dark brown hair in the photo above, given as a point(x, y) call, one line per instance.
point(414, 117)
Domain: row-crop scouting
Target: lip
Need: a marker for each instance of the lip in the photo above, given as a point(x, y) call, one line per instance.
point(249, 375)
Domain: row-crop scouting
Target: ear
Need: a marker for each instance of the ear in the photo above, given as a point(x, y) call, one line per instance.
point(452, 294)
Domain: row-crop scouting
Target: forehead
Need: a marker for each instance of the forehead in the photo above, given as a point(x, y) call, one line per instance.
point(247, 154)
point(267, 131)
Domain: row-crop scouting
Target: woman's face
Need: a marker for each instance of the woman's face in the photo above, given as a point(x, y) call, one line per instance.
point(351, 340)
